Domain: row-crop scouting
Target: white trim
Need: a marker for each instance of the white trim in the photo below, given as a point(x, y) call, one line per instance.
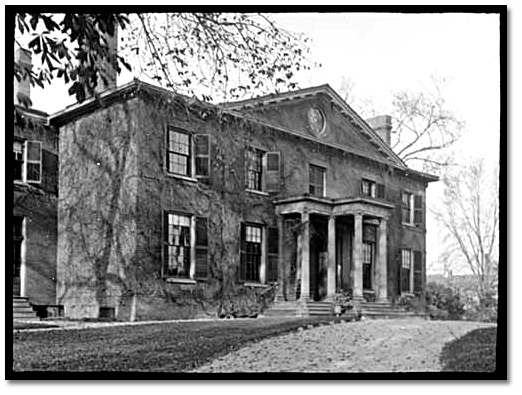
point(181, 177)
point(255, 285)
point(180, 280)
point(264, 256)
point(260, 193)
point(192, 269)
point(23, 266)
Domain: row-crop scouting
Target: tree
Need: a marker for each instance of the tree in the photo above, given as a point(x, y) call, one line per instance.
point(469, 214)
point(202, 54)
point(423, 125)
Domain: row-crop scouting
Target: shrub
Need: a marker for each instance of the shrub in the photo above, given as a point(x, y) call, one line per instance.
point(440, 298)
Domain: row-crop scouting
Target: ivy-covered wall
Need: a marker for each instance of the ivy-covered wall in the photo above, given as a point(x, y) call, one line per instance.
point(114, 191)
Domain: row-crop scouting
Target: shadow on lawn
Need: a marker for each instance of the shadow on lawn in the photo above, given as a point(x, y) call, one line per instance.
point(473, 352)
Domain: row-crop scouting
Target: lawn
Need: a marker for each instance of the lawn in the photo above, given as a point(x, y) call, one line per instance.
point(473, 352)
point(164, 347)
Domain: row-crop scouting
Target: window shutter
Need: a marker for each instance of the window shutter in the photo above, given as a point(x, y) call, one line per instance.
point(202, 154)
point(34, 161)
point(273, 171)
point(380, 191)
point(201, 247)
point(417, 206)
point(165, 267)
point(405, 207)
point(242, 246)
point(404, 275)
point(273, 253)
point(417, 272)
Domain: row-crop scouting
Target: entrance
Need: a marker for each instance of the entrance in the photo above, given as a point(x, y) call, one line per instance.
point(318, 257)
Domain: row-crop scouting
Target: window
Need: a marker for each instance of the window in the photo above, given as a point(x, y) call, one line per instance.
point(255, 169)
point(417, 272)
point(368, 188)
point(27, 169)
point(405, 270)
point(368, 254)
point(178, 245)
point(412, 209)
point(18, 238)
point(317, 180)
point(251, 252)
point(18, 151)
point(178, 152)
point(273, 253)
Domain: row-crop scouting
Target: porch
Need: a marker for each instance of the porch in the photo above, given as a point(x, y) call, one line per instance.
point(330, 246)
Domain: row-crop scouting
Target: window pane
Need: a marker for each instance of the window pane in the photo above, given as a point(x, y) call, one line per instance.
point(33, 150)
point(33, 171)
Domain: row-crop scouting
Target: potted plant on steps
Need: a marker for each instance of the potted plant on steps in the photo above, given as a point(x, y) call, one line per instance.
point(342, 303)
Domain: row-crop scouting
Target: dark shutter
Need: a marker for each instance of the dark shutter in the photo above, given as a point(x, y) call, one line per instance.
point(405, 199)
point(165, 267)
point(273, 253)
point(417, 207)
point(50, 171)
point(380, 191)
point(201, 247)
point(202, 154)
point(242, 253)
point(273, 171)
point(417, 272)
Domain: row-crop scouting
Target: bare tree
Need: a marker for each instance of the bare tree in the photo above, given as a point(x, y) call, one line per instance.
point(469, 215)
point(203, 54)
point(423, 125)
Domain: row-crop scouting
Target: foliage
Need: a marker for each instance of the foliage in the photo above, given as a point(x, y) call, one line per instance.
point(443, 302)
point(411, 303)
point(469, 215)
point(194, 53)
point(473, 352)
point(423, 125)
point(169, 347)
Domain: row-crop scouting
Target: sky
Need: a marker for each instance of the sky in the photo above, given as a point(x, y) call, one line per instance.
point(381, 53)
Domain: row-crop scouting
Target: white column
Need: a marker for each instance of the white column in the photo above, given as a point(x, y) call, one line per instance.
point(192, 270)
point(382, 268)
point(280, 259)
point(305, 256)
point(330, 285)
point(264, 256)
point(357, 257)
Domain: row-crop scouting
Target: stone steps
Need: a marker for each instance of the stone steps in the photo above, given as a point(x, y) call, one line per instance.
point(22, 309)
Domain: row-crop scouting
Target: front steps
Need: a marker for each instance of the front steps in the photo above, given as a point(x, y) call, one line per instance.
point(22, 309)
point(370, 310)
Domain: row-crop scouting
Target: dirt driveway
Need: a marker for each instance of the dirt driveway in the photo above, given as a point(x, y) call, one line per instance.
point(404, 345)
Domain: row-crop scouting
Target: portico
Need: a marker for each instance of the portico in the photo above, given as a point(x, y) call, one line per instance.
point(332, 245)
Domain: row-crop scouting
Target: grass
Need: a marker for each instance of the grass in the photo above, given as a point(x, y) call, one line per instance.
point(164, 347)
point(32, 325)
point(473, 352)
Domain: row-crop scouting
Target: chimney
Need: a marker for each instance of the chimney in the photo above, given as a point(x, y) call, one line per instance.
point(108, 71)
point(22, 88)
point(383, 126)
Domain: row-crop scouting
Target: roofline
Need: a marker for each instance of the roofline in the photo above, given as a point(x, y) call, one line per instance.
point(95, 102)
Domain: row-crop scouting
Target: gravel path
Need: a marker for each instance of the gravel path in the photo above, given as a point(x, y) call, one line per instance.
point(402, 345)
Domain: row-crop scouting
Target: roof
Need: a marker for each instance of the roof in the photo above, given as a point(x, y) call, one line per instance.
point(234, 108)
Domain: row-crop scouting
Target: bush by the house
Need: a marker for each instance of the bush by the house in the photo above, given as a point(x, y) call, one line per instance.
point(443, 302)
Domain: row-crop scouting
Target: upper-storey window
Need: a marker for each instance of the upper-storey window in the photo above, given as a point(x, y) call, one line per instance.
point(27, 161)
point(412, 210)
point(255, 169)
point(372, 189)
point(317, 180)
point(178, 152)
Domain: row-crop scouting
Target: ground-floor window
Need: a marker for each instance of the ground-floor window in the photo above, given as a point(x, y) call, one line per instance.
point(406, 270)
point(251, 252)
point(178, 245)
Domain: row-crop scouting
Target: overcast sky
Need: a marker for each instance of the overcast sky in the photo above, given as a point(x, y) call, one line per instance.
point(383, 53)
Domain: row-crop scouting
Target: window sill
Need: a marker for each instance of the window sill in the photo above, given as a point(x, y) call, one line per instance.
point(260, 193)
point(181, 177)
point(412, 226)
point(175, 280)
point(255, 285)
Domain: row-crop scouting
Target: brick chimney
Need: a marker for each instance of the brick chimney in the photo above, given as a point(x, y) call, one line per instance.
point(109, 72)
point(383, 126)
point(22, 88)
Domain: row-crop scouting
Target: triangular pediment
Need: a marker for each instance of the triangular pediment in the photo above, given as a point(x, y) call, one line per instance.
point(319, 114)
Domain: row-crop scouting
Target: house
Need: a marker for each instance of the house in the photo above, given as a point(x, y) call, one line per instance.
point(35, 194)
point(170, 207)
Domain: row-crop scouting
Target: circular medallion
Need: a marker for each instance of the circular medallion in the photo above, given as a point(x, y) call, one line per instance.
point(316, 120)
